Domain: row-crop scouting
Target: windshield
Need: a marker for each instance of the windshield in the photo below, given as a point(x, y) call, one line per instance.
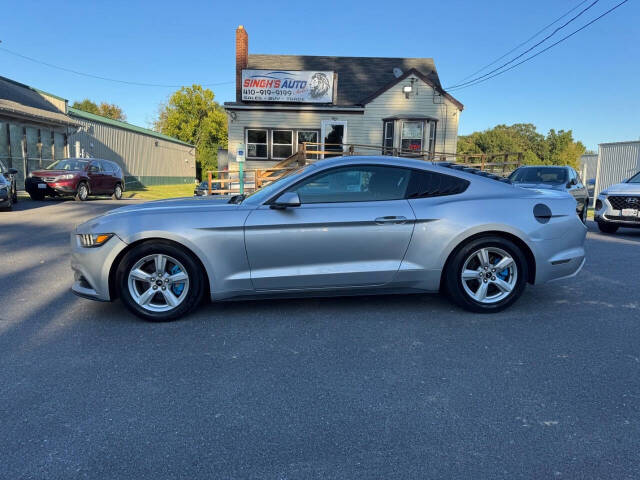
point(635, 178)
point(549, 175)
point(71, 164)
point(264, 193)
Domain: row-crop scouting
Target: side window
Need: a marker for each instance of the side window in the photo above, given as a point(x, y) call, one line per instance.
point(425, 184)
point(364, 183)
point(106, 167)
point(94, 167)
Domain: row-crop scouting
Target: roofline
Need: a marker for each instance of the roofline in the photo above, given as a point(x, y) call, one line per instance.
point(124, 125)
point(422, 77)
point(37, 90)
point(615, 143)
point(292, 106)
point(340, 56)
point(42, 119)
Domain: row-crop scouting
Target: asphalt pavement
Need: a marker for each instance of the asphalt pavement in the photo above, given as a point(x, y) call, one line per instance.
point(389, 387)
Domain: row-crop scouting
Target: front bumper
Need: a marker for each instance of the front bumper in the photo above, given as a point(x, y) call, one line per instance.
point(92, 266)
point(64, 187)
point(608, 215)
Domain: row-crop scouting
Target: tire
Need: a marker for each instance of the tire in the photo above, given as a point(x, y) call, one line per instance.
point(82, 192)
point(14, 197)
point(117, 192)
point(37, 196)
point(150, 300)
point(583, 215)
point(497, 296)
point(607, 228)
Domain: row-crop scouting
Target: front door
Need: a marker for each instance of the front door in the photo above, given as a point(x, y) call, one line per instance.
point(334, 135)
point(352, 228)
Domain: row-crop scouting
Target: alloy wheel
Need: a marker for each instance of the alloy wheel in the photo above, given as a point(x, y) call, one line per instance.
point(489, 275)
point(158, 283)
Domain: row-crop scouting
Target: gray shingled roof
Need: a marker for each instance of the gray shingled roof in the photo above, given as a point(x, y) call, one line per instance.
point(22, 100)
point(358, 77)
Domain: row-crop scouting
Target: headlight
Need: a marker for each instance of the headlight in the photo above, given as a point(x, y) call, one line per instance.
point(68, 176)
point(91, 240)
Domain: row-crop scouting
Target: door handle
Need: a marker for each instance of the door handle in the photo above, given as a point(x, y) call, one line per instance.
point(390, 219)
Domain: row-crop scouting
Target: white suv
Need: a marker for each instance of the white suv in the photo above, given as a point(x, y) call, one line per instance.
point(619, 206)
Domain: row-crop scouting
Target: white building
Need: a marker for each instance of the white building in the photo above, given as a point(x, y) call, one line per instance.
point(284, 100)
point(616, 162)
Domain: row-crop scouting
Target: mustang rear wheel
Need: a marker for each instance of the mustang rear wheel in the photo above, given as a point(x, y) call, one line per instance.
point(486, 275)
point(159, 281)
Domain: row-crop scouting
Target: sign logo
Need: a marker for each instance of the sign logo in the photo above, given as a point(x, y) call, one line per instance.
point(633, 200)
point(287, 86)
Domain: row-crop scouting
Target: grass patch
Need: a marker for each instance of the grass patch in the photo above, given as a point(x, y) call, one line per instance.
point(159, 192)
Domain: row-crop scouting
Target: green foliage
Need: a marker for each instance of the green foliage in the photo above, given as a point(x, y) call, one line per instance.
point(109, 110)
point(557, 148)
point(192, 115)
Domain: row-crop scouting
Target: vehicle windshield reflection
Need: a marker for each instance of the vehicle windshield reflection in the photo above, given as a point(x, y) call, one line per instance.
point(70, 164)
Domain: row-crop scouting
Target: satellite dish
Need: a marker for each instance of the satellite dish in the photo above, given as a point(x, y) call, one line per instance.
point(397, 72)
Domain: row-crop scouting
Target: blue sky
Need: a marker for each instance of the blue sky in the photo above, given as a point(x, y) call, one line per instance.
point(590, 83)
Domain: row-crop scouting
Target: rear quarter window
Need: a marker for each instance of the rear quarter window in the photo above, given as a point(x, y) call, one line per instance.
point(425, 184)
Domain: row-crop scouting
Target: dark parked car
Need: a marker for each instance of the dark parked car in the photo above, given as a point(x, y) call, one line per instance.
point(79, 177)
point(554, 178)
point(8, 192)
point(203, 188)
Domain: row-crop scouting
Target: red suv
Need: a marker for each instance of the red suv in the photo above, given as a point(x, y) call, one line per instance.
point(79, 177)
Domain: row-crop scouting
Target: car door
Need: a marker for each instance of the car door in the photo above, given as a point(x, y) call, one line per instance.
point(578, 190)
point(352, 228)
point(96, 177)
point(110, 179)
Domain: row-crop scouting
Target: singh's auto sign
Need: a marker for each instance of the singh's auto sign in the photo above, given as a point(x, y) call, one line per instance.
point(287, 86)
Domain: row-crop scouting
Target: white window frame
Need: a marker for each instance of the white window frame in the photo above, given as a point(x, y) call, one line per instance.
point(246, 143)
point(273, 157)
point(421, 122)
point(323, 132)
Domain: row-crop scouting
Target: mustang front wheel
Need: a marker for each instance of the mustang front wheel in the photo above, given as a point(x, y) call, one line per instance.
point(159, 281)
point(486, 275)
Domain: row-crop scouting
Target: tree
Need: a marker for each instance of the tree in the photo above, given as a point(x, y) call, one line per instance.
point(109, 110)
point(192, 115)
point(557, 148)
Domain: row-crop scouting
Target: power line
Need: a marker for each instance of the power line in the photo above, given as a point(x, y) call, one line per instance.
point(525, 42)
point(477, 81)
point(529, 49)
point(115, 80)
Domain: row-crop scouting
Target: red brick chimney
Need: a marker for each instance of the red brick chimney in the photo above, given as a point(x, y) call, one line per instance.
point(242, 58)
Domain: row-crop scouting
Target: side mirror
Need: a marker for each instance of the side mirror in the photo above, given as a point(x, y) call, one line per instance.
point(13, 171)
point(286, 200)
point(572, 182)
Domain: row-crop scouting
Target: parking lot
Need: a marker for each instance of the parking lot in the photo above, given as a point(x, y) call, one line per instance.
point(371, 387)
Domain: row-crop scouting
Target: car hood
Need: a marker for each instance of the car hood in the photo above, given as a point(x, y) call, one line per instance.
point(178, 204)
point(54, 173)
point(541, 186)
point(624, 189)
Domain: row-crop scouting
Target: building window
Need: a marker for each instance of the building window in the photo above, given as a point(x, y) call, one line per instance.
point(412, 135)
point(281, 143)
point(256, 144)
point(387, 142)
point(310, 136)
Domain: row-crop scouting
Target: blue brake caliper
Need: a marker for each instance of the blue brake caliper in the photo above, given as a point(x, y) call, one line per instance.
point(502, 275)
point(176, 288)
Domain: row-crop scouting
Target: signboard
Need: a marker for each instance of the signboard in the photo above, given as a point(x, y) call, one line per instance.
point(240, 155)
point(301, 86)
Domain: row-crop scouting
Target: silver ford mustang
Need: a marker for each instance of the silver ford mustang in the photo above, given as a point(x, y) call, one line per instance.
point(342, 226)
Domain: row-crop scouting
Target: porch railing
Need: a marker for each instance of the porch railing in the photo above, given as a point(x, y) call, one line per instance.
point(308, 152)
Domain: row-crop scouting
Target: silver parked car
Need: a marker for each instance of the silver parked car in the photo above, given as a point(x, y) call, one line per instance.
point(350, 225)
point(619, 206)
